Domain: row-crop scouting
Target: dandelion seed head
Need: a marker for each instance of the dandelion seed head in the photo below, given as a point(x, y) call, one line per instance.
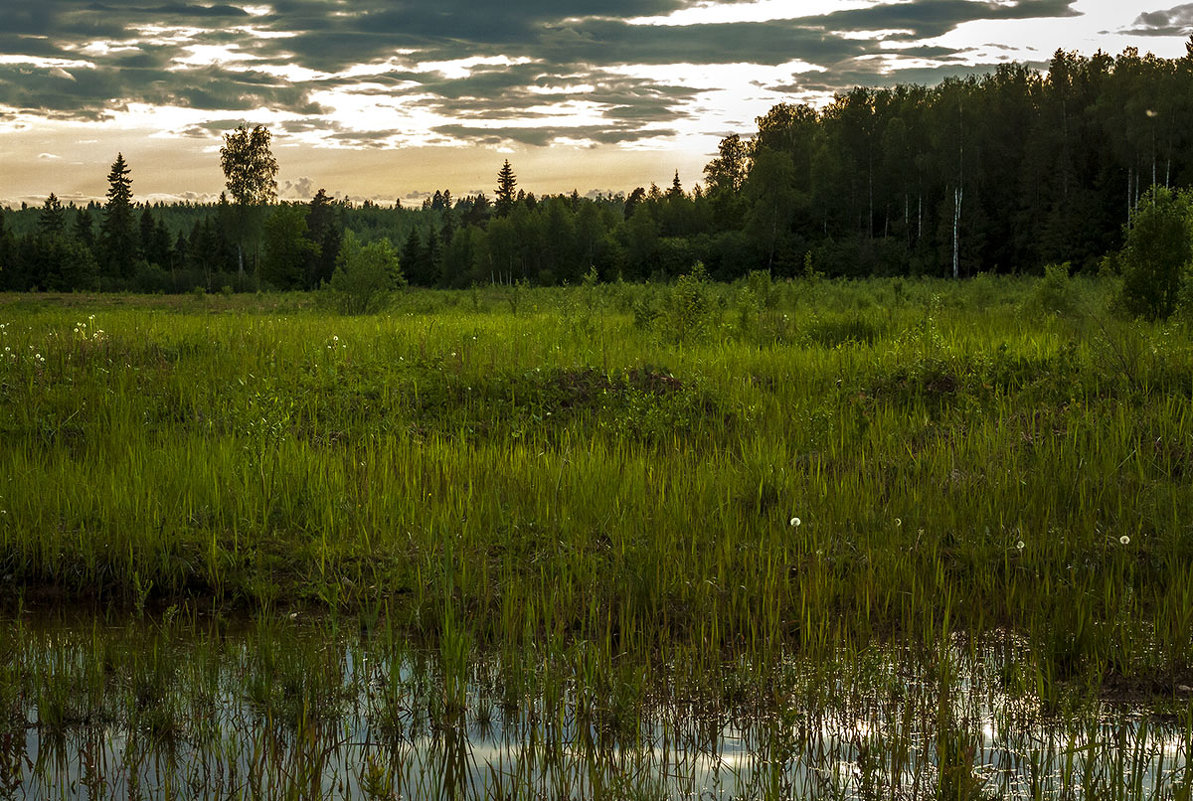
point(1124, 540)
point(795, 521)
point(1019, 545)
point(898, 522)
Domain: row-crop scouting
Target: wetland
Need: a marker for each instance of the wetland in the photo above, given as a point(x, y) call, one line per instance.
point(772, 539)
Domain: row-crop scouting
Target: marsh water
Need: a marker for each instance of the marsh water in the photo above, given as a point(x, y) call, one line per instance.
point(310, 707)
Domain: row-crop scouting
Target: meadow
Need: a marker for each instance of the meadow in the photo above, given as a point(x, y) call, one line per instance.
point(632, 499)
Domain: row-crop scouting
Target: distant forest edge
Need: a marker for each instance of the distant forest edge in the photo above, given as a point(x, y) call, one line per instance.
point(1007, 172)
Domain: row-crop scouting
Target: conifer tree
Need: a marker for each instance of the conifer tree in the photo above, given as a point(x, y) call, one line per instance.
point(51, 221)
point(118, 235)
point(676, 190)
point(507, 184)
point(83, 230)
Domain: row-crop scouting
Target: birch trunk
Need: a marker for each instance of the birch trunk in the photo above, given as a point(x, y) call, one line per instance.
point(957, 194)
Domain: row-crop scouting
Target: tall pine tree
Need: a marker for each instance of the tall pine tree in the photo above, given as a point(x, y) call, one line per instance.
point(118, 233)
point(507, 183)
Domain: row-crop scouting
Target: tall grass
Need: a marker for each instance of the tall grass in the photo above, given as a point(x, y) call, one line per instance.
point(621, 465)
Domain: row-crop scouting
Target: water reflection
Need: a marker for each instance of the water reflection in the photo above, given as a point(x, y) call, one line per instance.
point(317, 711)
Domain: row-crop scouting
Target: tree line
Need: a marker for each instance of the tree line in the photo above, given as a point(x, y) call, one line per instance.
point(1004, 172)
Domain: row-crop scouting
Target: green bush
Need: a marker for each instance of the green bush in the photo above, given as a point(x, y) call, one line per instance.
point(689, 315)
point(365, 276)
point(1054, 293)
point(1157, 254)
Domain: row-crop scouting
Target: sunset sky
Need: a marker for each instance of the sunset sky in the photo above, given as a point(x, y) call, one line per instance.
point(388, 99)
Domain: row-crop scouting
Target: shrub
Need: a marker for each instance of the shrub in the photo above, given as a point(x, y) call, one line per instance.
point(151, 278)
point(689, 314)
point(364, 277)
point(1054, 293)
point(645, 307)
point(1157, 254)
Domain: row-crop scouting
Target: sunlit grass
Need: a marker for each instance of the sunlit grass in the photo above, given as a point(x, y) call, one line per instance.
point(620, 464)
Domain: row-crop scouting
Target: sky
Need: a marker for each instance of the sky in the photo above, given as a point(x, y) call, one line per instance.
point(393, 99)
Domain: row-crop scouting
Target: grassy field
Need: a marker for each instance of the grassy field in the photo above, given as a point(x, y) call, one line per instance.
point(697, 474)
point(757, 467)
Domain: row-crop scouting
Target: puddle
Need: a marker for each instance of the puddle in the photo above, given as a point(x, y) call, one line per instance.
point(315, 709)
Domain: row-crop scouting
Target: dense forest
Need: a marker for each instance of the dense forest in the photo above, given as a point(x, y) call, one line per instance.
point(1005, 172)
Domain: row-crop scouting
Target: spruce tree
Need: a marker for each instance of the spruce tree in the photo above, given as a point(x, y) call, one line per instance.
point(118, 235)
point(83, 229)
point(411, 259)
point(507, 183)
point(51, 221)
point(9, 275)
point(676, 190)
point(146, 235)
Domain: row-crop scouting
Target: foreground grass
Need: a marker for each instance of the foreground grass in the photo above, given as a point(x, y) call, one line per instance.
point(622, 465)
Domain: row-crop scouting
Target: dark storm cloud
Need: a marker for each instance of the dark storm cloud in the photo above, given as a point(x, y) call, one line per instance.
point(213, 88)
point(770, 43)
point(182, 9)
point(602, 134)
point(927, 19)
point(509, 93)
point(1177, 21)
point(18, 44)
point(214, 126)
point(565, 44)
point(83, 93)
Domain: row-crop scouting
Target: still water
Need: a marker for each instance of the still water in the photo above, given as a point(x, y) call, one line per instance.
point(313, 708)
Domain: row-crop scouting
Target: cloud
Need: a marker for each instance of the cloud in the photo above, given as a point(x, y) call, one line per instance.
point(542, 136)
point(927, 19)
point(388, 73)
point(188, 10)
point(298, 188)
point(1176, 21)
